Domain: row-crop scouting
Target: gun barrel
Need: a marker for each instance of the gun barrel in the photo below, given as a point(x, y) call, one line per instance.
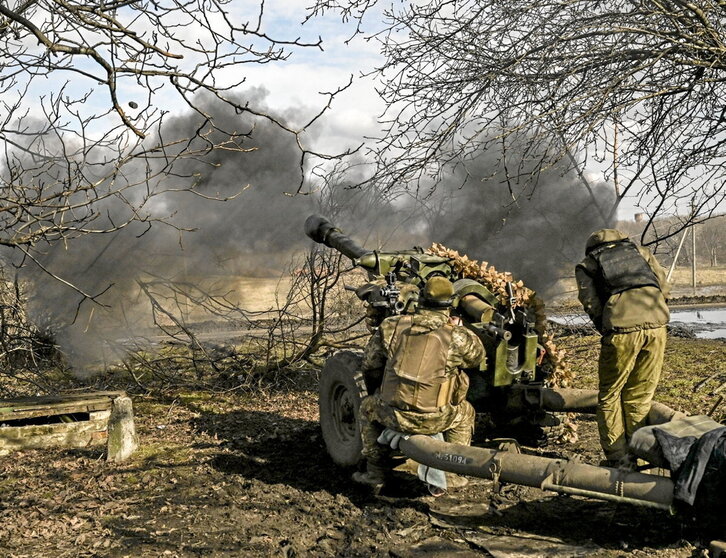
point(501, 332)
point(324, 232)
point(475, 308)
point(479, 311)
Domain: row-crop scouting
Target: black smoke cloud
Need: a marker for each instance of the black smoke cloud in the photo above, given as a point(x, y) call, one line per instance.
point(252, 233)
point(533, 232)
point(534, 228)
point(373, 217)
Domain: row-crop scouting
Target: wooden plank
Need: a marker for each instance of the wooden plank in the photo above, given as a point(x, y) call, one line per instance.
point(47, 403)
point(61, 404)
point(39, 413)
point(10, 413)
point(59, 398)
point(105, 410)
point(71, 435)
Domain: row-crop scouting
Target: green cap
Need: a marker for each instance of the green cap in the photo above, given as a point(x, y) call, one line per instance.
point(603, 236)
point(438, 293)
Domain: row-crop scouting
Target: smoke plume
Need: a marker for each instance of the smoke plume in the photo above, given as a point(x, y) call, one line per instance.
point(251, 233)
point(537, 231)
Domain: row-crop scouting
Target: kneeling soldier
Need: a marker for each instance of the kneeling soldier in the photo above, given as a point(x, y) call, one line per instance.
point(418, 359)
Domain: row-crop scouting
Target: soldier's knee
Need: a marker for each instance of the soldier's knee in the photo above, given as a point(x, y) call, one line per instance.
point(367, 407)
point(467, 410)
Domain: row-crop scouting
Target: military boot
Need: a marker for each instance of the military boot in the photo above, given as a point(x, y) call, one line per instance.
point(456, 481)
point(375, 476)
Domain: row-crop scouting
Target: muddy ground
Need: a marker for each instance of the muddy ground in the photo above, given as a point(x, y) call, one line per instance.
point(241, 474)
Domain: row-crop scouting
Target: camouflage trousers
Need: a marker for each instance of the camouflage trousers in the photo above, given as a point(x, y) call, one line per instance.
point(629, 370)
point(455, 422)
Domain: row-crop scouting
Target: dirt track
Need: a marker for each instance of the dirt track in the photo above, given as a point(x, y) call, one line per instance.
point(234, 475)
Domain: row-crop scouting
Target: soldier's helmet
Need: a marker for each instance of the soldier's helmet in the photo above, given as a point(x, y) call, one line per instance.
point(438, 292)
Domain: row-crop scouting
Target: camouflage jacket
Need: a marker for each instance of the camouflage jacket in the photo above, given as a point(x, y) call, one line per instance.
point(632, 310)
point(465, 351)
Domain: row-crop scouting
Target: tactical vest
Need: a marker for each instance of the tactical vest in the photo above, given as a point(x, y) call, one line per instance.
point(415, 376)
point(621, 267)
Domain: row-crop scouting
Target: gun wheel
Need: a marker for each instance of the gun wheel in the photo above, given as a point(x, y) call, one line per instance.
point(342, 388)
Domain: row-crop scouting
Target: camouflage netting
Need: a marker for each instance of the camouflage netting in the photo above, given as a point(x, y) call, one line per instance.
point(496, 281)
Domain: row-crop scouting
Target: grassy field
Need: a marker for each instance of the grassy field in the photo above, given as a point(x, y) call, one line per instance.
point(256, 294)
point(710, 281)
point(704, 275)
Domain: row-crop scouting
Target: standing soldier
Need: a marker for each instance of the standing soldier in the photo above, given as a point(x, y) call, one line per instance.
point(624, 289)
point(417, 360)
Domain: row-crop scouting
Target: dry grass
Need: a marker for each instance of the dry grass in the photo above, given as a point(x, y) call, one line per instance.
point(259, 293)
point(246, 474)
point(705, 276)
point(709, 281)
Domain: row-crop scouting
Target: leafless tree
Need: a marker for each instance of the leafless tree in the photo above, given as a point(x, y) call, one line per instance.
point(313, 313)
point(86, 87)
point(712, 237)
point(630, 89)
point(26, 348)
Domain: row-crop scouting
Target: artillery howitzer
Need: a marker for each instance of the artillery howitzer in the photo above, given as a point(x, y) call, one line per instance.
point(512, 385)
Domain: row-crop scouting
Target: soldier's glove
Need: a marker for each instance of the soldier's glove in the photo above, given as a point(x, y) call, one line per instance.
point(373, 318)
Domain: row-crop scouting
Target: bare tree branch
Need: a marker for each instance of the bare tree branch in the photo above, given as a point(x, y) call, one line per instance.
point(99, 136)
point(634, 87)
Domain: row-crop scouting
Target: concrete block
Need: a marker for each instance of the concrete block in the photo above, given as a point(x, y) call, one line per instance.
point(122, 439)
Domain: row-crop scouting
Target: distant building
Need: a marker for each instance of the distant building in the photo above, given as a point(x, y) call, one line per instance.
point(639, 217)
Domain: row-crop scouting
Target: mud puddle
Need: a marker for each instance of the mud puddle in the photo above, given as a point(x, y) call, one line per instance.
point(706, 323)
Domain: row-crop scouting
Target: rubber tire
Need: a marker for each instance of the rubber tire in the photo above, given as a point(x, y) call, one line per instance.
point(341, 390)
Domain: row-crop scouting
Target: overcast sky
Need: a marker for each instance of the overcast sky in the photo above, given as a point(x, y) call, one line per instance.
point(298, 82)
